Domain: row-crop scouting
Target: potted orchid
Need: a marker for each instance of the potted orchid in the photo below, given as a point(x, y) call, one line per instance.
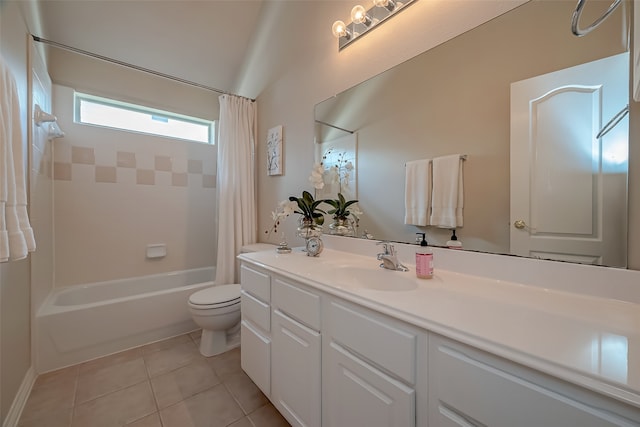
point(311, 219)
point(344, 215)
point(308, 208)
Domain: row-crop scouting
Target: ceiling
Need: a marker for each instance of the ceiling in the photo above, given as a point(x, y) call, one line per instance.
point(203, 41)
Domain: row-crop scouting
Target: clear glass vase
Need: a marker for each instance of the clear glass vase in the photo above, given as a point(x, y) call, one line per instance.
point(308, 228)
point(341, 227)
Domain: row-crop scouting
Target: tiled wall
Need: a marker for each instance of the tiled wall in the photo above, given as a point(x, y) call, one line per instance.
point(116, 192)
point(75, 162)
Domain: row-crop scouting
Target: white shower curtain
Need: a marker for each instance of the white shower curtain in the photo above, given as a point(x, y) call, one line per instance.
point(237, 223)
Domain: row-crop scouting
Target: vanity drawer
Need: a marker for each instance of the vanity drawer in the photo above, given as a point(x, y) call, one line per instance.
point(256, 282)
point(256, 311)
point(297, 303)
point(378, 339)
point(255, 357)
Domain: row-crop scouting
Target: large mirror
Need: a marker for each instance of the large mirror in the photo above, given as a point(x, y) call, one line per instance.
point(457, 99)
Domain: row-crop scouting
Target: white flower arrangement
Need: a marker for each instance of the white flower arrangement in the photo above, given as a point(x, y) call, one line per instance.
point(317, 176)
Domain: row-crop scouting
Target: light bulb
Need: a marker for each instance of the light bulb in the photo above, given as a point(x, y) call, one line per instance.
point(359, 15)
point(387, 4)
point(339, 29)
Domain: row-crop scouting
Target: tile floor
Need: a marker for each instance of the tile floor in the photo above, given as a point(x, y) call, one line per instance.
point(164, 384)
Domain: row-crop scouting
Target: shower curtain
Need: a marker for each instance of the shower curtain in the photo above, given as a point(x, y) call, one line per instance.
point(237, 223)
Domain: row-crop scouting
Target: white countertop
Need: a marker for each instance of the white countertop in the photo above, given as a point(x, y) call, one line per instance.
point(587, 340)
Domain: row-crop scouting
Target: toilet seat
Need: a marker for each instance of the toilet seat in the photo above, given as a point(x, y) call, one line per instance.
point(216, 297)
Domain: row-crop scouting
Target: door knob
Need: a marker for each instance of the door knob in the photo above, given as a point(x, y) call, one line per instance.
point(519, 224)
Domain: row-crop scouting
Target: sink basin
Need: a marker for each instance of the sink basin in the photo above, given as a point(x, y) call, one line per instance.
point(374, 278)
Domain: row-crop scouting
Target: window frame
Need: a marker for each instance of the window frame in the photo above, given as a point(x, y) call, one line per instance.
point(79, 97)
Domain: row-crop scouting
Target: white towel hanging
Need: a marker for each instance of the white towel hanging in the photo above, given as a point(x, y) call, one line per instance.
point(16, 235)
point(447, 199)
point(417, 192)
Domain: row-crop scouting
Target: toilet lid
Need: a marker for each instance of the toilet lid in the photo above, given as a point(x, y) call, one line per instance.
point(216, 295)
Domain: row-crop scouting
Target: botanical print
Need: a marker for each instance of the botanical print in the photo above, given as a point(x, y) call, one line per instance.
point(338, 160)
point(274, 151)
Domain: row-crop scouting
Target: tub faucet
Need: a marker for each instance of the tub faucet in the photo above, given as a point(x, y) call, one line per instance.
point(389, 258)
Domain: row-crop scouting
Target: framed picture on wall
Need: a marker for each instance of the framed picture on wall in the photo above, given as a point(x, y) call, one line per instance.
point(339, 161)
point(274, 151)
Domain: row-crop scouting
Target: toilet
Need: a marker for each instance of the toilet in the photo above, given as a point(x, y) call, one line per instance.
point(217, 311)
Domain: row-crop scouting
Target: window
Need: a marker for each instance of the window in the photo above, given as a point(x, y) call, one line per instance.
point(94, 110)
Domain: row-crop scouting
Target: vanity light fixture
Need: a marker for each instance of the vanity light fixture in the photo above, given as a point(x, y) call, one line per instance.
point(363, 20)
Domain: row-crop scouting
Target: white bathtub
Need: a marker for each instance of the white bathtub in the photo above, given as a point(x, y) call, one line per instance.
point(83, 322)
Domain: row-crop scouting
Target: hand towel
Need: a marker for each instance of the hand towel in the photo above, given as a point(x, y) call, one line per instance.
point(16, 235)
point(417, 192)
point(447, 199)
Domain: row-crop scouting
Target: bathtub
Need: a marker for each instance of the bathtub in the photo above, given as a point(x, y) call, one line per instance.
point(83, 322)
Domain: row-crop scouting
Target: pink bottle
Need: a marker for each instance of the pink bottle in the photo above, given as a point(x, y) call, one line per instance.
point(424, 260)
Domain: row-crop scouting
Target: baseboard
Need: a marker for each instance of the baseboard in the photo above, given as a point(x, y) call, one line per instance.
point(13, 416)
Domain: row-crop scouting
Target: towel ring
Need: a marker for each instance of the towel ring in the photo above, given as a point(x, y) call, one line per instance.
point(576, 17)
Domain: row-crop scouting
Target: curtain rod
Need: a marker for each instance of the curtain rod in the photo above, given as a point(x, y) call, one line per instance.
point(135, 67)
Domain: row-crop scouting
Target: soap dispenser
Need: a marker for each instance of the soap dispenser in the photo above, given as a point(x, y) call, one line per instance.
point(424, 260)
point(454, 243)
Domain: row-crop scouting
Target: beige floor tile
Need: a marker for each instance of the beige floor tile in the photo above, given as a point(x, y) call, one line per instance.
point(61, 375)
point(164, 344)
point(54, 418)
point(247, 394)
point(268, 416)
point(242, 422)
point(212, 408)
point(114, 391)
point(168, 359)
point(117, 408)
point(182, 383)
point(152, 420)
point(112, 359)
point(226, 363)
point(99, 382)
point(51, 392)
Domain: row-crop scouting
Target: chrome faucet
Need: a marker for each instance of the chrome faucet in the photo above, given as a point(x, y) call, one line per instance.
point(389, 258)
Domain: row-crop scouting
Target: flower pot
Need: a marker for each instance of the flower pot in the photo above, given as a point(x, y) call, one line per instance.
point(341, 227)
point(308, 228)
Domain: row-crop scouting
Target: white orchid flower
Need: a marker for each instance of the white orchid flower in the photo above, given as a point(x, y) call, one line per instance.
point(289, 207)
point(316, 177)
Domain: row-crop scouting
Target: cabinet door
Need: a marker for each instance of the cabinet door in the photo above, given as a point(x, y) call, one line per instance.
point(357, 394)
point(296, 386)
point(468, 387)
point(255, 357)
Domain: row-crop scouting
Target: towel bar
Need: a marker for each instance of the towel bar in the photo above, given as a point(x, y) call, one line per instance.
point(462, 156)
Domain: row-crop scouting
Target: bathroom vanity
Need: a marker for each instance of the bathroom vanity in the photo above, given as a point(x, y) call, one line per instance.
point(337, 341)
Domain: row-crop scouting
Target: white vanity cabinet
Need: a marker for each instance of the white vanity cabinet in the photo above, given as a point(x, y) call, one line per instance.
point(255, 338)
point(296, 350)
point(369, 368)
point(326, 360)
point(469, 387)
